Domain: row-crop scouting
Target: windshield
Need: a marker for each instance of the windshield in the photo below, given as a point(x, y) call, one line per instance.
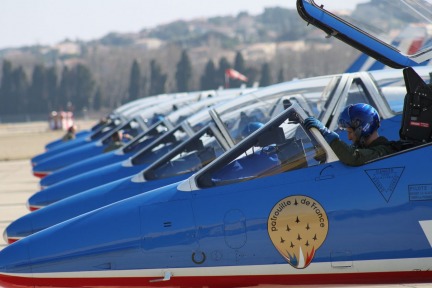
point(146, 137)
point(404, 25)
point(196, 153)
point(157, 149)
point(280, 147)
point(129, 130)
point(261, 105)
point(108, 126)
point(177, 117)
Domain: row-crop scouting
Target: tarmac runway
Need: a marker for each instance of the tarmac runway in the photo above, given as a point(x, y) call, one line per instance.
point(17, 184)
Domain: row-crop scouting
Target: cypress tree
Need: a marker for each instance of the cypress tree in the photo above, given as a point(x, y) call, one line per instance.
point(134, 82)
point(6, 87)
point(208, 79)
point(184, 73)
point(65, 93)
point(20, 94)
point(239, 65)
point(281, 77)
point(223, 65)
point(265, 75)
point(85, 87)
point(52, 88)
point(38, 100)
point(97, 103)
point(157, 79)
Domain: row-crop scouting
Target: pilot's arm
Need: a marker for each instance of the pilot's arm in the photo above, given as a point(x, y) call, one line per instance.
point(348, 154)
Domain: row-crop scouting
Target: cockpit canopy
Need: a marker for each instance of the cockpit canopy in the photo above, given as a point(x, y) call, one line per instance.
point(377, 28)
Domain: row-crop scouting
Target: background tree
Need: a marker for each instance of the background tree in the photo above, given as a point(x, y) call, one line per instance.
point(65, 89)
point(253, 76)
point(239, 65)
point(38, 96)
point(208, 79)
point(265, 75)
point(6, 87)
point(52, 88)
point(84, 91)
point(183, 73)
point(157, 79)
point(134, 82)
point(223, 65)
point(281, 77)
point(20, 91)
point(97, 102)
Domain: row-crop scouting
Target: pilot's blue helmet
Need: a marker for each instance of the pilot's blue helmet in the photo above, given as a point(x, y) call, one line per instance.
point(250, 128)
point(362, 118)
point(156, 118)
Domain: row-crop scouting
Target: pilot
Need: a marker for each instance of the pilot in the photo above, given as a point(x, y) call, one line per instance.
point(361, 121)
point(70, 134)
point(156, 118)
point(250, 128)
point(115, 143)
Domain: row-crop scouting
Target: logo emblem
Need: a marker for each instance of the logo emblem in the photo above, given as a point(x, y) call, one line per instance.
point(297, 226)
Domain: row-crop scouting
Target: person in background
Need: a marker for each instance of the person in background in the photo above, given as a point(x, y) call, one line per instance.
point(361, 121)
point(70, 134)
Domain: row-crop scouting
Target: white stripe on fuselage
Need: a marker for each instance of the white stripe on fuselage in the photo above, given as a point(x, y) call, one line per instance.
point(391, 265)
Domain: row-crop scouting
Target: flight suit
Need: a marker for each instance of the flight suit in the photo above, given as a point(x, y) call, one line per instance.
point(355, 156)
point(113, 146)
point(68, 136)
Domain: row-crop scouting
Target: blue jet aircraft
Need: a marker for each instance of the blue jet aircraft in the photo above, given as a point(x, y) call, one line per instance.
point(115, 113)
point(116, 118)
point(256, 106)
point(133, 127)
point(167, 123)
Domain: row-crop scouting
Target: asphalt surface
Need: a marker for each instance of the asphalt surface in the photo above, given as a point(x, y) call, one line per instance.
point(17, 184)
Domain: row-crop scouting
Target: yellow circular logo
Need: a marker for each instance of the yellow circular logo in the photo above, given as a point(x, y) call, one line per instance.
point(297, 226)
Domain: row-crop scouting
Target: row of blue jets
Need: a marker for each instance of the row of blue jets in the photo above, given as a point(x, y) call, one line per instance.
point(137, 122)
point(236, 192)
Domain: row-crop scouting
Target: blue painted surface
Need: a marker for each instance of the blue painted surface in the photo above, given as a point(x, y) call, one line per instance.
point(81, 183)
point(69, 157)
point(83, 202)
point(81, 167)
point(58, 142)
point(60, 149)
point(360, 220)
point(90, 164)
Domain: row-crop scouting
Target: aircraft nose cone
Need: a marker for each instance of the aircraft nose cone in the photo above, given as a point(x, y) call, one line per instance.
point(37, 201)
point(20, 228)
point(5, 237)
point(15, 259)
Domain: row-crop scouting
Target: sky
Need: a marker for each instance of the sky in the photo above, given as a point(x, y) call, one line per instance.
point(48, 22)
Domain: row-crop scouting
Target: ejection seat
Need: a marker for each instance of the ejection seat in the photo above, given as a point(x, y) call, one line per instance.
point(416, 128)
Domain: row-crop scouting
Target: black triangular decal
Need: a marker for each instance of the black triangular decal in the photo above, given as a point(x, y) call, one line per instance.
point(385, 180)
